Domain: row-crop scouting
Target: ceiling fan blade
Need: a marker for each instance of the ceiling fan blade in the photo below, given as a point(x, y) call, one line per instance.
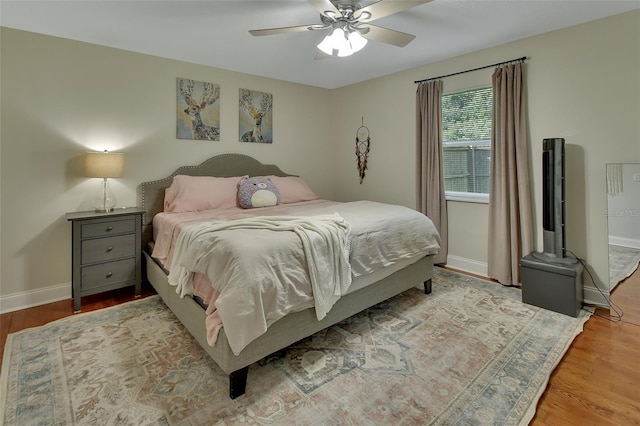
point(388, 36)
point(323, 6)
point(384, 8)
point(282, 30)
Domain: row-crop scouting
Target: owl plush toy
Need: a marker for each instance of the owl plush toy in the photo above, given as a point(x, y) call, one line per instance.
point(257, 192)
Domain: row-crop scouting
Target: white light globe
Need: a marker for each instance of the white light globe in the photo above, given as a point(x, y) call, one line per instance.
point(357, 41)
point(326, 46)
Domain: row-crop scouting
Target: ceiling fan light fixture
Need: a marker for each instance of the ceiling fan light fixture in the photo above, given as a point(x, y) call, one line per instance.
point(336, 41)
point(346, 44)
point(349, 22)
point(326, 46)
point(357, 41)
point(345, 51)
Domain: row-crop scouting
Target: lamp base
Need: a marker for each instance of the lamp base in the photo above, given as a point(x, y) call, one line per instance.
point(104, 201)
point(104, 210)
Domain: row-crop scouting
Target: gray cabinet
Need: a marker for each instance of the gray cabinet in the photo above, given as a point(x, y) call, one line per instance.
point(106, 251)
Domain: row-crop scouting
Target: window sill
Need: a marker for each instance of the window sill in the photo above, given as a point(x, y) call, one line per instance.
point(467, 197)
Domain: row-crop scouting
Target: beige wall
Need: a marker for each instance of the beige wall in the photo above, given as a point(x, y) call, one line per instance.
point(61, 98)
point(582, 85)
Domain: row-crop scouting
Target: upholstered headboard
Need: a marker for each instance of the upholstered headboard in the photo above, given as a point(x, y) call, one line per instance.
point(224, 165)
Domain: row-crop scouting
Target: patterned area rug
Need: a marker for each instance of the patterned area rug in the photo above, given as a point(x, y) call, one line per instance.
point(623, 261)
point(469, 353)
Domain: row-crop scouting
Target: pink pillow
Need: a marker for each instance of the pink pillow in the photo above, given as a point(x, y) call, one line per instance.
point(293, 189)
point(198, 193)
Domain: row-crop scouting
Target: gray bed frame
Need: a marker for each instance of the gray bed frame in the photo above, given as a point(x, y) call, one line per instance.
point(284, 332)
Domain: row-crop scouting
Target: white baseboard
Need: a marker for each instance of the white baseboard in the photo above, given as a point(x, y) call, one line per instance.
point(624, 242)
point(592, 296)
point(29, 299)
point(468, 265)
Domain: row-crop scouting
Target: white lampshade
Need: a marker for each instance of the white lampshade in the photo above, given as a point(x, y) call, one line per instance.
point(326, 45)
point(357, 41)
point(104, 164)
point(345, 51)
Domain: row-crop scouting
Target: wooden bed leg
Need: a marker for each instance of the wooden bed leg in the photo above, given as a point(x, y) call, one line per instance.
point(238, 382)
point(427, 286)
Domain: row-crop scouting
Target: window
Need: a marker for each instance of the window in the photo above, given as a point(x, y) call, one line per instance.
point(466, 143)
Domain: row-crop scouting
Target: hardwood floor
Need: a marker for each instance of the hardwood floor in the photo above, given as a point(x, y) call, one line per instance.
point(598, 380)
point(626, 297)
point(596, 383)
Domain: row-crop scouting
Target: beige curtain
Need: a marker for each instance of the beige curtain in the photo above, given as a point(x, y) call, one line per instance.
point(510, 223)
point(429, 164)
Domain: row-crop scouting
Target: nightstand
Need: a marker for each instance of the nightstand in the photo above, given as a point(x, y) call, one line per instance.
point(106, 251)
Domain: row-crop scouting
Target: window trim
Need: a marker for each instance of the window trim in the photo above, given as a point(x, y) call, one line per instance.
point(466, 197)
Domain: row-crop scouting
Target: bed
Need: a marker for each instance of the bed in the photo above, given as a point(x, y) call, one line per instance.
point(293, 326)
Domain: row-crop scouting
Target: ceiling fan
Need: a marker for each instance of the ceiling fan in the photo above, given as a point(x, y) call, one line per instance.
point(350, 24)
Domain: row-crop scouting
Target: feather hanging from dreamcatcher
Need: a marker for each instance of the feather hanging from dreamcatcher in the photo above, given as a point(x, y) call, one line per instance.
point(363, 145)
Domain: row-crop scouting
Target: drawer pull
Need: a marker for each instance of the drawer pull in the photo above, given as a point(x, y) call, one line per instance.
point(109, 228)
point(109, 249)
point(109, 274)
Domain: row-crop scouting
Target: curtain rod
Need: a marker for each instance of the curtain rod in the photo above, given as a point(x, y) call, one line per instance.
point(522, 59)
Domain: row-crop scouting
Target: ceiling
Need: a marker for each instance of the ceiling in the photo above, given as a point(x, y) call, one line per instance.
point(215, 33)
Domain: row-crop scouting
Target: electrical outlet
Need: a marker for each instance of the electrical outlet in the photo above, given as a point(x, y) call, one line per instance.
point(636, 177)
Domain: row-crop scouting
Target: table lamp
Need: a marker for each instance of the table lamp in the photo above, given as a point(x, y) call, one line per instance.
point(104, 165)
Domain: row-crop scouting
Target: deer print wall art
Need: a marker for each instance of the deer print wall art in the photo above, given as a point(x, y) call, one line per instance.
point(256, 122)
point(198, 110)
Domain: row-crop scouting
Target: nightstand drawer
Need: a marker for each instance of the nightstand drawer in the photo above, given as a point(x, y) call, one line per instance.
point(105, 249)
point(110, 273)
point(110, 227)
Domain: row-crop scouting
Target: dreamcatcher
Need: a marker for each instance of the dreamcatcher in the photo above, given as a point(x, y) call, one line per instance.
point(363, 144)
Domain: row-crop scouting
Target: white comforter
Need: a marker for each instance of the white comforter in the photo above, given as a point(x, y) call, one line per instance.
point(236, 261)
point(203, 248)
